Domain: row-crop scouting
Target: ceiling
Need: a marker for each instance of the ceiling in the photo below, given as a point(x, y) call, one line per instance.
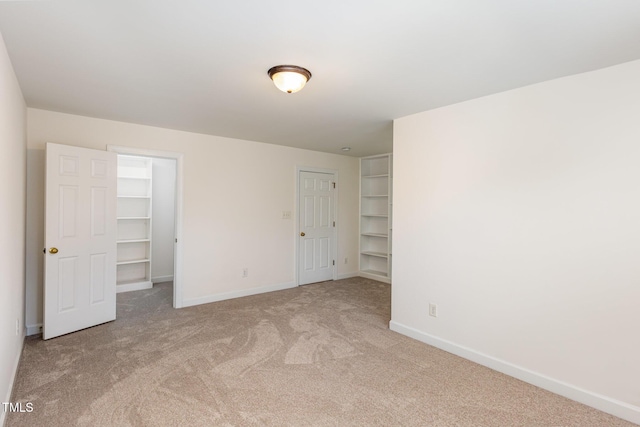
point(201, 65)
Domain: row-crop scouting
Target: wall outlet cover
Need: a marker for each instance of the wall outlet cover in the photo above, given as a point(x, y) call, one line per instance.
point(433, 310)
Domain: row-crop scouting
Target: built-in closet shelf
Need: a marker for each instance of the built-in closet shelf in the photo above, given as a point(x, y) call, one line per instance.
point(134, 223)
point(133, 261)
point(375, 235)
point(126, 283)
point(378, 254)
point(375, 217)
point(382, 274)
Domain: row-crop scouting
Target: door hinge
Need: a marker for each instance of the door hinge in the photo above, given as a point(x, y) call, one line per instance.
point(334, 262)
point(334, 184)
point(334, 223)
point(176, 240)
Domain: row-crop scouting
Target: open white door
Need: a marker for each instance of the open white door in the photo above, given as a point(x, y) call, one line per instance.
point(80, 239)
point(317, 227)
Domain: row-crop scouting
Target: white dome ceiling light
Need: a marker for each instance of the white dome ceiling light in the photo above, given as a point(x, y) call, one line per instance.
point(289, 78)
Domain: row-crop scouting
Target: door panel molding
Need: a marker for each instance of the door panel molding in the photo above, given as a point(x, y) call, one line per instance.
point(80, 223)
point(333, 246)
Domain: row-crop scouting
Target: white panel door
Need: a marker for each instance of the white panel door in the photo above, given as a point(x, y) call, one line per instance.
point(317, 229)
point(80, 239)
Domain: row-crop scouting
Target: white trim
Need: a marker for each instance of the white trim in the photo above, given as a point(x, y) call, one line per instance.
point(603, 403)
point(12, 382)
point(348, 275)
point(377, 277)
point(33, 330)
point(161, 279)
point(137, 286)
point(334, 248)
point(177, 254)
point(237, 294)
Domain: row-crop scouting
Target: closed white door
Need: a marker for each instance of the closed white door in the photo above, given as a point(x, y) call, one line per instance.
point(317, 227)
point(80, 239)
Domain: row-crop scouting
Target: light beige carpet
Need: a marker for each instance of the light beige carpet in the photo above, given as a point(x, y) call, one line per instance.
point(318, 355)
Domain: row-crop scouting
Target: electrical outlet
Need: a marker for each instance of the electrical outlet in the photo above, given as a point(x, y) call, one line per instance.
point(17, 327)
point(433, 310)
point(245, 272)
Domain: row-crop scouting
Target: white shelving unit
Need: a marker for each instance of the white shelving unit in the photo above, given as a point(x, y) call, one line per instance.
point(134, 223)
point(375, 217)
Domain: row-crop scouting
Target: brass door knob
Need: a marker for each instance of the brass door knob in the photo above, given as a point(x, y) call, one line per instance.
point(53, 250)
point(302, 234)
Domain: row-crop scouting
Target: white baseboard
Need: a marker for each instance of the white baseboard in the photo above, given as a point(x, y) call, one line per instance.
point(34, 330)
point(237, 294)
point(137, 286)
point(347, 275)
point(7, 397)
point(603, 403)
point(162, 279)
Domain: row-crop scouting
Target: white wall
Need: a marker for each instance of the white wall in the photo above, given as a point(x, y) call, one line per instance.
point(234, 195)
point(163, 223)
point(519, 215)
point(12, 223)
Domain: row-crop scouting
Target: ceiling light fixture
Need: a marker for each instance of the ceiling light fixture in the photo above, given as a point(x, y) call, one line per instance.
point(289, 78)
point(346, 148)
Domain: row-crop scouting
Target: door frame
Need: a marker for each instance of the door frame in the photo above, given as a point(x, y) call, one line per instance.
point(334, 245)
point(179, 250)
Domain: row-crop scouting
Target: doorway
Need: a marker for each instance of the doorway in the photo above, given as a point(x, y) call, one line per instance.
point(146, 221)
point(163, 162)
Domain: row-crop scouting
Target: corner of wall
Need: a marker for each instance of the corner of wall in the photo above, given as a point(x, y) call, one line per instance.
point(12, 224)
